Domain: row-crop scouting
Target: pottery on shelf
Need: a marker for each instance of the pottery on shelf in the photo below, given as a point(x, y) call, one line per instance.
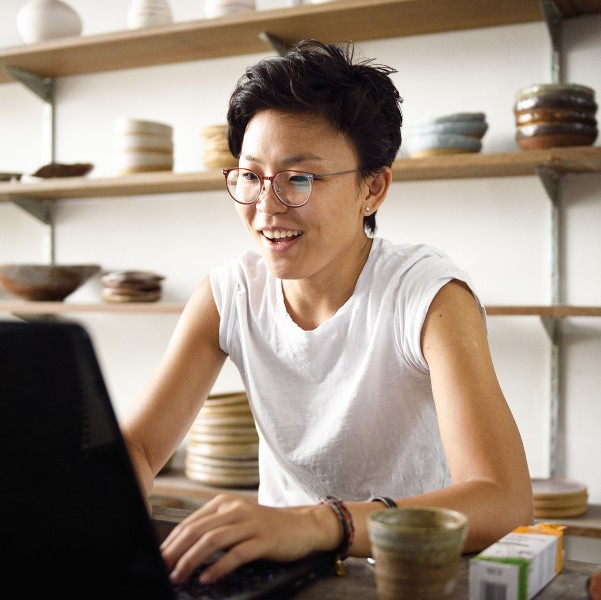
point(148, 13)
point(41, 20)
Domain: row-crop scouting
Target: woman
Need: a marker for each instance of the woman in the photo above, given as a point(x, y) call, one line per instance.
point(366, 364)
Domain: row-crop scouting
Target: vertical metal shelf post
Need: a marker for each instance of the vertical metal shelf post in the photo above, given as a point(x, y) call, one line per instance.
point(42, 87)
point(551, 180)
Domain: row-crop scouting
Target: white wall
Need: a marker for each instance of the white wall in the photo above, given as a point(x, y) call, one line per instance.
point(497, 228)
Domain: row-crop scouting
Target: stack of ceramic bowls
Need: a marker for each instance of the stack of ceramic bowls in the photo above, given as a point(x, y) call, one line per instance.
point(556, 498)
point(448, 134)
point(555, 114)
point(223, 444)
point(141, 146)
point(216, 153)
point(220, 8)
point(131, 286)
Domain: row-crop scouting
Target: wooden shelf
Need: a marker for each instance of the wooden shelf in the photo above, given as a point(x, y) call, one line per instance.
point(239, 34)
point(574, 159)
point(582, 159)
point(552, 312)
point(61, 308)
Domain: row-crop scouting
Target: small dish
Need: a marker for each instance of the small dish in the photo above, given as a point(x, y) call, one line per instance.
point(5, 176)
point(63, 170)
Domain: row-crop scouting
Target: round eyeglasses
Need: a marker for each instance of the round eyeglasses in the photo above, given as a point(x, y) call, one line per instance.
point(292, 188)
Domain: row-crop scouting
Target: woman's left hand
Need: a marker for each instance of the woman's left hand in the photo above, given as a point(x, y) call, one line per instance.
point(245, 531)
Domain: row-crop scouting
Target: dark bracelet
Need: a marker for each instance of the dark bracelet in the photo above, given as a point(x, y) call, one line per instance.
point(348, 529)
point(388, 502)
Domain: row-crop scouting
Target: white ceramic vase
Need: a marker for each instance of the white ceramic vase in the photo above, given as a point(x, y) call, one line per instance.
point(220, 8)
point(148, 13)
point(41, 20)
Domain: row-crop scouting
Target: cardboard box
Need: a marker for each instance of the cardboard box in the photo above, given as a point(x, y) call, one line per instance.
point(519, 565)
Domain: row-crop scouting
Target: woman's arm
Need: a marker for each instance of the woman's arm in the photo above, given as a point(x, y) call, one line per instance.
point(491, 482)
point(161, 417)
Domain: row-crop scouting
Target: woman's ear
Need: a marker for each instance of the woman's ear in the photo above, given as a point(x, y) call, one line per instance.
point(376, 189)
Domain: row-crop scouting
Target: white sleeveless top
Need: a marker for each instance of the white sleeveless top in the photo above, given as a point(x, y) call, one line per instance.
point(346, 409)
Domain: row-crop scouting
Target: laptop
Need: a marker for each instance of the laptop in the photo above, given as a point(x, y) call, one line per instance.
point(74, 520)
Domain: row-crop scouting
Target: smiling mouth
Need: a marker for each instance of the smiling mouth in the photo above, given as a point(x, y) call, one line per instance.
point(281, 235)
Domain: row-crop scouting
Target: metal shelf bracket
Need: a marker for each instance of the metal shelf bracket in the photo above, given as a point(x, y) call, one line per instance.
point(43, 87)
point(274, 42)
point(554, 19)
point(41, 210)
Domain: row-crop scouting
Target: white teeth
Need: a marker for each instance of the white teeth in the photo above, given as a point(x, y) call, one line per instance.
point(278, 235)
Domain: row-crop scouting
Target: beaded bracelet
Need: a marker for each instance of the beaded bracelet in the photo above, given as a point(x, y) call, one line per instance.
point(348, 529)
point(388, 502)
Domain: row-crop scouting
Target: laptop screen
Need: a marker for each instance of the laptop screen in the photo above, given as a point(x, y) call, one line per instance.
point(74, 517)
point(77, 518)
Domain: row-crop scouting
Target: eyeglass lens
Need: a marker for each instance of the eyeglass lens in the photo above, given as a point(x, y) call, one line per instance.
point(291, 187)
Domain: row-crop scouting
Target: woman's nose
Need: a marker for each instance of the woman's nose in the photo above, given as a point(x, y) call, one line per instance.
point(268, 202)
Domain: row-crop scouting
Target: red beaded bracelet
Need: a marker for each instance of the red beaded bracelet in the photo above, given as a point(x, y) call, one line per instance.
point(348, 529)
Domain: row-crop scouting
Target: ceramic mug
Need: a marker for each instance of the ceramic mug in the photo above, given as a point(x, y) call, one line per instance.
point(416, 551)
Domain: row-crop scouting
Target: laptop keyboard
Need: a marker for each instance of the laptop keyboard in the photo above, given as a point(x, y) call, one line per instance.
point(245, 579)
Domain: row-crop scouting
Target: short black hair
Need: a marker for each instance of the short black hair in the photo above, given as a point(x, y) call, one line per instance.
point(357, 97)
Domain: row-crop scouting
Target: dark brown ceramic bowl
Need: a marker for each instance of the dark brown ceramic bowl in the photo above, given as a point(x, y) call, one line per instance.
point(541, 142)
point(44, 282)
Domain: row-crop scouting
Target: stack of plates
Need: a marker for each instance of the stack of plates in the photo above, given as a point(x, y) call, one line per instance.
point(555, 115)
point(141, 146)
point(216, 153)
point(449, 134)
point(223, 443)
point(131, 286)
point(558, 498)
point(219, 8)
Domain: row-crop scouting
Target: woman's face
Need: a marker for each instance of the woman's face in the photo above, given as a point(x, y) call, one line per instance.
point(308, 242)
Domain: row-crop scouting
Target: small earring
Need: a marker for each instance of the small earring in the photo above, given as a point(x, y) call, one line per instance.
point(367, 209)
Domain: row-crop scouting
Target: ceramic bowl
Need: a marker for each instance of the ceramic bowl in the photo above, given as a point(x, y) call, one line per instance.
point(142, 161)
point(124, 125)
point(44, 282)
point(555, 115)
point(140, 141)
point(565, 89)
point(566, 101)
point(551, 135)
point(470, 128)
point(441, 143)
point(453, 117)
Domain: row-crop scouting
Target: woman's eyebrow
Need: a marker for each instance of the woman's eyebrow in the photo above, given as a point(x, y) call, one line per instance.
point(290, 160)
